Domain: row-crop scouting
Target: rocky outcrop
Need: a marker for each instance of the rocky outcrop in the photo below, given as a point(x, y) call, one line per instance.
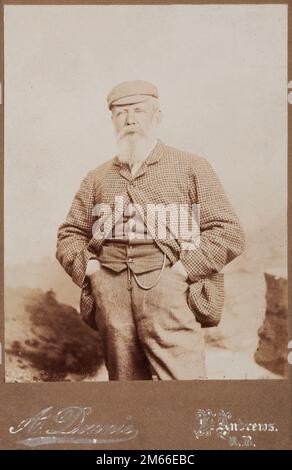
point(46, 340)
point(272, 351)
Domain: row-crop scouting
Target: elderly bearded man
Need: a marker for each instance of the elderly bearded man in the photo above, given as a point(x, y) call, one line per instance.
point(148, 294)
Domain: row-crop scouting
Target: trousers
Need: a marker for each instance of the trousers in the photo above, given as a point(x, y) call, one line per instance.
point(147, 333)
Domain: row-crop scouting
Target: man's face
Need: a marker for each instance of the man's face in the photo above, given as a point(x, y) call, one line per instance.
point(135, 120)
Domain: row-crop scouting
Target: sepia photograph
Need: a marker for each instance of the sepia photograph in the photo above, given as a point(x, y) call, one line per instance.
point(145, 193)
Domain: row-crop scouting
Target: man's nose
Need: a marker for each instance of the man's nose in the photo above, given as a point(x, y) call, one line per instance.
point(130, 118)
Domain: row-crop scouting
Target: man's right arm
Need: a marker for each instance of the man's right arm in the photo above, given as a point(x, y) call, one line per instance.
point(74, 234)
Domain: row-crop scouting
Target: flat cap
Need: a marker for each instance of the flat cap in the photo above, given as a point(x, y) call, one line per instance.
point(131, 92)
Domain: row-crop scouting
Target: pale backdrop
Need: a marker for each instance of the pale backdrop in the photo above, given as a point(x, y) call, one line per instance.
point(222, 76)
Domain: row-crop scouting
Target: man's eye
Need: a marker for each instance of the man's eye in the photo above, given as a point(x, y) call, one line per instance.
point(139, 110)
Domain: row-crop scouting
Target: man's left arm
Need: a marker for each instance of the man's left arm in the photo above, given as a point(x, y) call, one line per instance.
point(221, 235)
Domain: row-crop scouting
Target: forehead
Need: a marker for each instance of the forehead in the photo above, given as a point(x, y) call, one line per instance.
point(145, 105)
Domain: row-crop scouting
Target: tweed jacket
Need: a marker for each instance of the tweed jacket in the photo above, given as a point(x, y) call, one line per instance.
point(168, 176)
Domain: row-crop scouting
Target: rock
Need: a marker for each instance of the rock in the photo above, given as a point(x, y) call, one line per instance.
point(47, 340)
point(272, 351)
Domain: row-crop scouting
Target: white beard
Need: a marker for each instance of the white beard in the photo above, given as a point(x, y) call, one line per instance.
point(134, 148)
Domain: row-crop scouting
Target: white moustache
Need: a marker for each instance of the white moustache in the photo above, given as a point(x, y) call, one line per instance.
point(126, 131)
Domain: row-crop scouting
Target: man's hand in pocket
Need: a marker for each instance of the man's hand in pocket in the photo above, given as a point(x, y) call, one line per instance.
point(179, 268)
point(93, 266)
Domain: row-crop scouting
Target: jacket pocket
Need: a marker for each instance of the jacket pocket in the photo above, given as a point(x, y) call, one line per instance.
point(206, 299)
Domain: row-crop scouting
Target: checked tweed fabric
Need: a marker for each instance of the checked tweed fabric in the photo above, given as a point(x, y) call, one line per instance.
point(168, 176)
